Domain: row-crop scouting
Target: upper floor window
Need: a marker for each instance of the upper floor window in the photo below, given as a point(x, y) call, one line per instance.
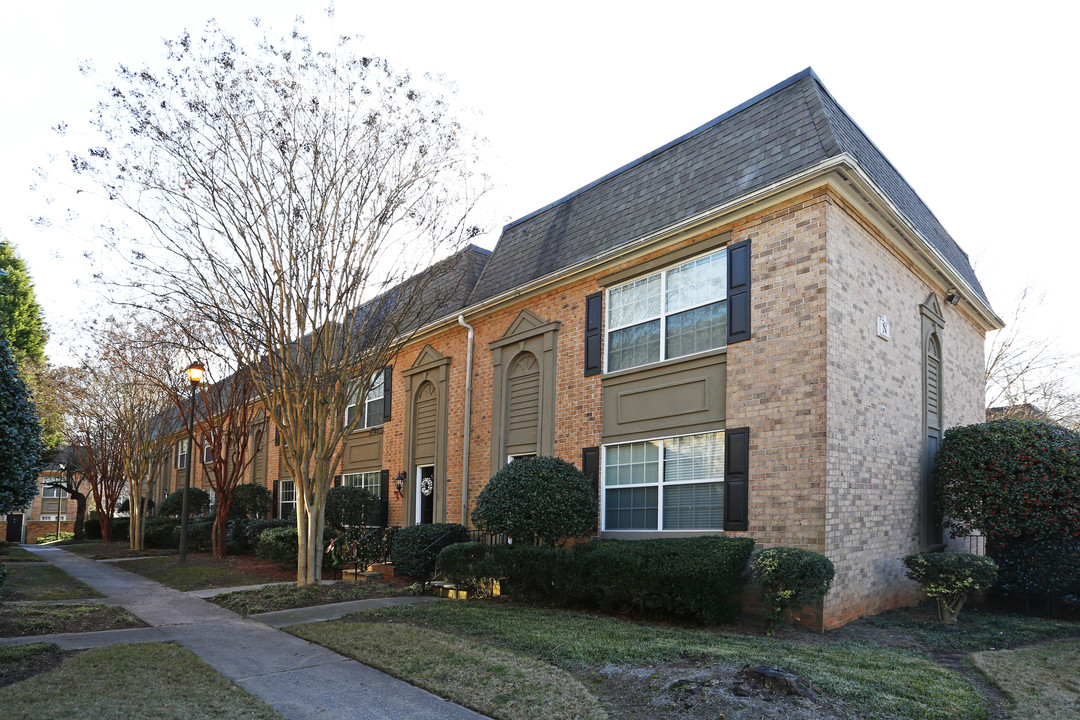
point(208, 453)
point(182, 454)
point(371, 409)
point(53, 492)
point(672, 313)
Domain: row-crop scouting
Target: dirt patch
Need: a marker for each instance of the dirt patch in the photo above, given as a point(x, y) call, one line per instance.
point(16, 669)
point(46, 619)
point(692, 689)
point(249, 565)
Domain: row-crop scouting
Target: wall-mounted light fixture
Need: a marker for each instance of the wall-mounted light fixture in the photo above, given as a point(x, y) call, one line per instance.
point(953, 298)
point(399, 480)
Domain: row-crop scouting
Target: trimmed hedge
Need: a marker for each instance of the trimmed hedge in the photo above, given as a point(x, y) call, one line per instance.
point(951, 578)
point(1042, 569)
point(538, 497)
point(695, 577)
point(242, 535)
point(197, 505)
point(159, 532)
point(92, 528)
point(790, 579)
point(200, 534)
point(410, 544)
point(351, 507)
point(282, 545)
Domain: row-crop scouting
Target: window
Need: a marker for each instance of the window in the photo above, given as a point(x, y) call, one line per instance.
point(675, 312)
point(181, 454)
point(287, 499)
point(371, 410)
point(208, 453)
point(671, 484)
point(370, 481)
point(53, 501)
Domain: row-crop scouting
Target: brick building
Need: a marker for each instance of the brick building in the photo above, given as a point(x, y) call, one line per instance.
point(758, 329)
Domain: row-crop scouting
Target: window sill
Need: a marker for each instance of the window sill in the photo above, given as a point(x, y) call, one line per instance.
point(655, 534)
point(663, 363)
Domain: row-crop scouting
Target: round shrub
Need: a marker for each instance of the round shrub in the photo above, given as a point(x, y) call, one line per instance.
point(159, 532)
point(790, 579)
point(541, 497)
point(350, 507)
point(1010, 478)
point(252, 529)
point(279, 544)
point(951, 578)
point(416, 548)
point(198, 503)
point(250, 500)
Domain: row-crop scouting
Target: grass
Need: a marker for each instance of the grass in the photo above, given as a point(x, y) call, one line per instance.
point(22, 620)
point(27, 581)
point(18, 662)
point(287, 597)
point(866, 678)
point(1043, 682)
point(495, 682)
point(117, 549)
point(974, 630)
point(199, 573)
point(12, 553)
point(127, 681)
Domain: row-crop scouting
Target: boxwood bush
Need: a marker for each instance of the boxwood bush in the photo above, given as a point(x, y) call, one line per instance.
point(694, 578)
point(200, 532)
point(351, 507)
point(790, 579)
point(281, 544)
point(411, 543)
point(245, 533)
point(539, 497)
point(159, 532)
point(951, 578)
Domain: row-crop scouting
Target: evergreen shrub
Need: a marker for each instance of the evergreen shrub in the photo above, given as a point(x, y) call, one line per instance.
point(790, 579)
point(951, 578)
point(172, 506)
point(416, 548)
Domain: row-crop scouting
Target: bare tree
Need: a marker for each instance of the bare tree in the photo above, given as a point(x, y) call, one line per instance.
point(287, 194)
point(69, 460)
point(93, 431)
point(1029, 377)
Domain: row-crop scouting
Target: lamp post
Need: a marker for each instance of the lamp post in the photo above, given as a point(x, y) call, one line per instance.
point(58, 508)
point(194, 375)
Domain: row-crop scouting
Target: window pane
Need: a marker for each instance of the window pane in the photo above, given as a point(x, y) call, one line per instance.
point(373, 412)
point(631, 509)
point(633, 346)
point(376, 386)
point(634, 302)
point(697, 330)
point(629, 464)
point(696, 457)
point(369, 481)
point(696, 282)
point(699, 506)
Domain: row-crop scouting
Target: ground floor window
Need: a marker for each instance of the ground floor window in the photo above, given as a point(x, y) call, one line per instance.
point(370, 481)
point(666, 484)
point(53, 501)
point(287, 500)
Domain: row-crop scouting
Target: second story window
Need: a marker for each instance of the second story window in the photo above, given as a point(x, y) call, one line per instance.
point(672, 313)
point(182, 454)
point(371, 408)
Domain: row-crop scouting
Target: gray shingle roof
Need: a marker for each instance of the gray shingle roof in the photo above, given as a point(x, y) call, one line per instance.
point(788, 128)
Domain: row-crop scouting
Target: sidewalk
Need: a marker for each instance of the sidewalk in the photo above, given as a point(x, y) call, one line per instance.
point(299, 679)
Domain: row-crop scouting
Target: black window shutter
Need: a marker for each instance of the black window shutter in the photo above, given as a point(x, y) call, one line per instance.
point(738, 328)
point(590, 465)
point(276, 511)
point(388, 377)
point(594, 323)
point(736, 479)
point(384, 497)
point(337, 481)
point(277, 437)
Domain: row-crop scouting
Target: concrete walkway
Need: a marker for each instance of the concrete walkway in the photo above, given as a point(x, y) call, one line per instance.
point(299, 679)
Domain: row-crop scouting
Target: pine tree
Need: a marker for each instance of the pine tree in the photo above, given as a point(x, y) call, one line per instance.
point(20, 437)
point(21, 319)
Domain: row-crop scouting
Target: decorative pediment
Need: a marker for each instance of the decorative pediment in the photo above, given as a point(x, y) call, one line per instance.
point(428, 358)
point(931, 308)
point(527, 324)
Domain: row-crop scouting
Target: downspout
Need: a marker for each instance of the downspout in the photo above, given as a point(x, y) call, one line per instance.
point(468, 424)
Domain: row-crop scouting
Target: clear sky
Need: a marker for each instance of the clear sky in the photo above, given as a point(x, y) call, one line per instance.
point(976, 104)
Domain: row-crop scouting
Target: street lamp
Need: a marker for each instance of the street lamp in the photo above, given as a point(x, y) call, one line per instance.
point(194, 375)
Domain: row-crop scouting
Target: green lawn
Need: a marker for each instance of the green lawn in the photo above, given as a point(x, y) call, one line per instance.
point(199, 573)
point(162, 681)
point(287, 597)
point(1042, 682)
point(119, 549)
point(13, 553)
point(46, 619)
point(866, 678)
point(31, 581)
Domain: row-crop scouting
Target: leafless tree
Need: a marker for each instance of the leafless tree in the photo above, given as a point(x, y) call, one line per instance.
point(70, 461)
point(287, 194)
point(1030, 377)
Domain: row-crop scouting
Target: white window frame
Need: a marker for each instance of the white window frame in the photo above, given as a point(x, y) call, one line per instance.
point(207, 453)
point(282, 502)
point(659, 484)
point(377, 382)
point(664, 314)
point(370, 481)
point(53, 493)
point(182, 453)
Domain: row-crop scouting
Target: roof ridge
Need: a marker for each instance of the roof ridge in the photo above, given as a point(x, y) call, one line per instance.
point(807, 72)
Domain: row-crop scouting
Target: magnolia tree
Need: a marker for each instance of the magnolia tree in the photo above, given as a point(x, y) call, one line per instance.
point(285, 194)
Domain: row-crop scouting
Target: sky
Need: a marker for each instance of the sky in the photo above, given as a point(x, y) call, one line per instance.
point(976, 104)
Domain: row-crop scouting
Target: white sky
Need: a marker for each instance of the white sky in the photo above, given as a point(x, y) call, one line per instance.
point(975, 104)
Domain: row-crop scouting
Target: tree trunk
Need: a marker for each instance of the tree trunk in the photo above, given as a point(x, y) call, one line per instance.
point(80, 515)
point(221, 525)
point(106, 528)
